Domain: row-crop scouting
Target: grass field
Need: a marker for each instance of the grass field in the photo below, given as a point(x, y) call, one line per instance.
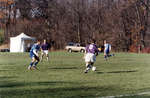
point(63, 76)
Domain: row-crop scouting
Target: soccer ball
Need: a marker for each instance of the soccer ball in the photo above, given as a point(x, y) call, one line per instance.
point(93, 68)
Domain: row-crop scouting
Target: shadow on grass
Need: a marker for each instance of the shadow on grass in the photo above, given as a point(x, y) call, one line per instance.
point(136, 96)
point(8, 84)
point(48, 89)
point(64, 68)
point(5, 81)
point(53, 90)
point(7, 77)
point(98, 72)
point(123, 71)
point(57, 92)
point(6, 70)
point(131, 71)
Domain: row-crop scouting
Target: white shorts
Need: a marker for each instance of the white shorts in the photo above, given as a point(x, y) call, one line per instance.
point(90, 57)
point(45, 52)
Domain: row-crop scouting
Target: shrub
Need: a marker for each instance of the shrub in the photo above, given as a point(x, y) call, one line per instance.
point(146, 50)
point(133, 48)
point(1, 36)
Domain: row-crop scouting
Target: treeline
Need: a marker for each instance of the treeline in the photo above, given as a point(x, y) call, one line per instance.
point(124, 23)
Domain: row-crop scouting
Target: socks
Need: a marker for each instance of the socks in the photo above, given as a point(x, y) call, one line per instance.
point(31, 64)
point(35, 63)
point(47, 57)
point(88, 67)
point(105, 57)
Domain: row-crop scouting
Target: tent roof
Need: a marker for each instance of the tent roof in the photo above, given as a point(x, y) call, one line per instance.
point(24, 36)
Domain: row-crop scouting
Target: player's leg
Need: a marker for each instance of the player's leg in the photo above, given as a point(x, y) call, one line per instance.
point(109, 55)
point(31, 64)
point(93, 59)
point(113, 54)
point(36, 62)
point(93, 67)
point(88, 67)
point(106, 53)
point(47, 55)
point(90, 59)
point(105, 56)
point(42, 54)
point(88, 62)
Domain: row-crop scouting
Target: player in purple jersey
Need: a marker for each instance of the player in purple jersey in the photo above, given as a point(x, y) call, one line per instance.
point(90, 56)
point(44, 50)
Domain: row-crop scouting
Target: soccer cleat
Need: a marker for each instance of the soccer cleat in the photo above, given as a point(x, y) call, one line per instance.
point(86, 71)
point(29, 68)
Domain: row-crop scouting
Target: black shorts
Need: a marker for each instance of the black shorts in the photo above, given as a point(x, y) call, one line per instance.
point(36, 57)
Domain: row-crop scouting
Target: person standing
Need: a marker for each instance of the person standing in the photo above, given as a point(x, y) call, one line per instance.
point(45, 50)
point(107, 49)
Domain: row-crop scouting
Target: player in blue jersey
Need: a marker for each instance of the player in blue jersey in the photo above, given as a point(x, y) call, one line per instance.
point(107, 49)
point(34, 55)
point(90, 56)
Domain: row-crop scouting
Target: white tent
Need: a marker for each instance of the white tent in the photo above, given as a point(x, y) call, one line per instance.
point(17, 44)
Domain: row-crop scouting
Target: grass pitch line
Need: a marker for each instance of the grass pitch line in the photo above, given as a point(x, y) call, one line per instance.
point(126, 95)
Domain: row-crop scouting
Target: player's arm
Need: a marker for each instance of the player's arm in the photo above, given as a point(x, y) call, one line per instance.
point(35, 52)
point(109, 47)
point(104, 46)
point(104, 49)
point(85, 52)
point(96, 53)
point(96, 50)
point(41, 48)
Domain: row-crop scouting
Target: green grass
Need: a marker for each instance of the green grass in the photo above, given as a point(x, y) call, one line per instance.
point(63, 76)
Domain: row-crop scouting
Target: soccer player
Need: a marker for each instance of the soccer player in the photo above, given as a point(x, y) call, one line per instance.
point(44, 50)
point(90, 55)
point(107, 49)
point(34, 55)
